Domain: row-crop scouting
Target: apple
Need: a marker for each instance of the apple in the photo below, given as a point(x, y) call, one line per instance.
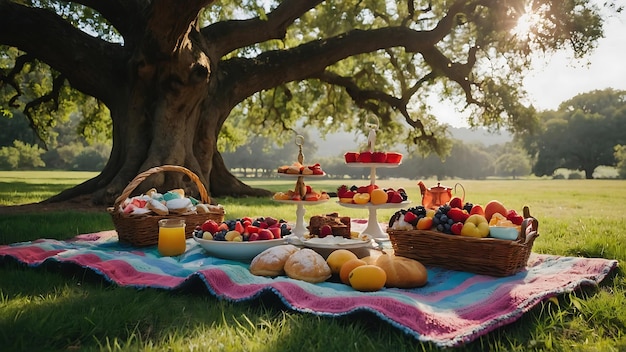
point(351, 157)
point(365, 157)
point(253, 237)
point(379, 157)
point(456, 202)
point(475, 226)
point(393, 158)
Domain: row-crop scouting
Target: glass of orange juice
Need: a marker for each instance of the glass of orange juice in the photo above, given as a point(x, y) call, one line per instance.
point(172, 237)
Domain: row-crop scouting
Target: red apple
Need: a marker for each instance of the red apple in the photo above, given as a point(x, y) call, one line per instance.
point(393, 158)
point(379, 157)
point(365, 157)
point(351, 157)
point(253, 237)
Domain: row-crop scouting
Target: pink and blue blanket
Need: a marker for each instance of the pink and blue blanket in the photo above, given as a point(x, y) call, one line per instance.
point(454, 308)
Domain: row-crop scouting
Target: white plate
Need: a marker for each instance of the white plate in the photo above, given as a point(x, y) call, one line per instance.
point(298, 175)
point(378, 206)
point(359, 164)
point(312, 202)
point(244, 251)
point(336, 243)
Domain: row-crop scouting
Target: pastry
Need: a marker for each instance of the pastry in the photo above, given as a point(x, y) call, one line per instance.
point(157, 207)
point(307, 265)
point(402, 272)
point(271, 262)
point(340, 225)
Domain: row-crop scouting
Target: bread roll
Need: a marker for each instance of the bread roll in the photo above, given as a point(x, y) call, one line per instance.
point(402, 272)
point(307, 265)
point(271, 262)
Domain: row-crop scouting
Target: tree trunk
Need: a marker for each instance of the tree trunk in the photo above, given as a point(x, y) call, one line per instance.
point(170, 114)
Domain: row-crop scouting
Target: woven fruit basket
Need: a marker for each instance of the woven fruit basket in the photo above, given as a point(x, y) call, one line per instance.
point(487, 256)
point(143, 229)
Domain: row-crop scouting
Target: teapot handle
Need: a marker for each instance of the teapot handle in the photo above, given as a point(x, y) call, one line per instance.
point(463, 188)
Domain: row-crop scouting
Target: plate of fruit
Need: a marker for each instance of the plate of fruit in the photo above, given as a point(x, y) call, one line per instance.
point(241, 239)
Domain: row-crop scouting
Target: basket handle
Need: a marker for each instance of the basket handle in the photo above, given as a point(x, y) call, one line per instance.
point(529, 221)
point(142, 176)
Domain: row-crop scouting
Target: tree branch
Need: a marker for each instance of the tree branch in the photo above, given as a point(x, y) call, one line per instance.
point(229, 35)
point(90, 64)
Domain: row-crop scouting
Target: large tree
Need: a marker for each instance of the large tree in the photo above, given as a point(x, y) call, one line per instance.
point(171, 72)
point(581, 134)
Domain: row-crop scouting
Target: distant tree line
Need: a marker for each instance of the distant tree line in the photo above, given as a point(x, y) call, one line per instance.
point(585, 132)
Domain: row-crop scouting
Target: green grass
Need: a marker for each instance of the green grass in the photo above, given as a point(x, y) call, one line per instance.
point(71, 309)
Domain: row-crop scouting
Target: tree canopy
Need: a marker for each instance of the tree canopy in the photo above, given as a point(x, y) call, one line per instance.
point(168, 76)
point(581, 134)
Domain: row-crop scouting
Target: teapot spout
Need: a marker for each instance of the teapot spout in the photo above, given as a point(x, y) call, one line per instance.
point(422, 187)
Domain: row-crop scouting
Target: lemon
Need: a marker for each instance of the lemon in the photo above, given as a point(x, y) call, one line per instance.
point(367, 278)
point(337, 258)
point(378, 196)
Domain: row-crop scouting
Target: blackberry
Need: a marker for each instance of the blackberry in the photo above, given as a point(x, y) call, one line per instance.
point(468, 207)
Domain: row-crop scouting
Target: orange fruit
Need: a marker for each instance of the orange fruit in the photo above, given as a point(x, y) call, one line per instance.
point(367, 278)
point(347, 267)
point(361, 198)
point(378, 196)
point(337, 258)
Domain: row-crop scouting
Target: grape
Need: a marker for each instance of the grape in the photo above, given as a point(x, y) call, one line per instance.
point(444, 218)
point(440, 228)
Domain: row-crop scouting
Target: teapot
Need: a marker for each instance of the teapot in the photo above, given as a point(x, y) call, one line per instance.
point(433, 197)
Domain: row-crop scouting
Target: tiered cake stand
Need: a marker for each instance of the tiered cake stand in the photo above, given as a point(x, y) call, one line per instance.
point(300, 229)
point(373, 226)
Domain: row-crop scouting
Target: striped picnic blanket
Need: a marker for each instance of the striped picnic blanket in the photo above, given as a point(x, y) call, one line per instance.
point(452, 309)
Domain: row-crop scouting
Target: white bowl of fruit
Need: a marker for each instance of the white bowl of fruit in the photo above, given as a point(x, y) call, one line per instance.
point(241, 239)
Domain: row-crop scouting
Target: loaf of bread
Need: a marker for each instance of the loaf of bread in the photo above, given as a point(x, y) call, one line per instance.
point(307, 265)
point(402, 272)
point(271, 262)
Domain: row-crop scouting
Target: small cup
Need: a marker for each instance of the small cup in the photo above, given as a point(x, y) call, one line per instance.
point(172, 239)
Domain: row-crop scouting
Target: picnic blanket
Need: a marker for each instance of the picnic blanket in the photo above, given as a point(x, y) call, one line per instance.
point(453, 308)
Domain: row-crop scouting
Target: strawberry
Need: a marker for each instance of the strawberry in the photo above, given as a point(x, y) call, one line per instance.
point(344, 192)
point(514, 217)
point(457, 215)
point(394, 197)
point(210, 225)
point(239, 227)
point(411, 218)
point(456, 228)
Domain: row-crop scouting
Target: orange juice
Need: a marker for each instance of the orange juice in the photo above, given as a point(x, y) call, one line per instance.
point(172, 237)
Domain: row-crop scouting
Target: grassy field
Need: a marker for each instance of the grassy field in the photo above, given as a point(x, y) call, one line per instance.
point(78, 310)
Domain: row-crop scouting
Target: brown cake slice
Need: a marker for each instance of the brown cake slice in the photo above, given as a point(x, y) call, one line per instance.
point(339, 224)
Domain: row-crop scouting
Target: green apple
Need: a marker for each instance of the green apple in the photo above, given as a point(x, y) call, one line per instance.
point(475, 226)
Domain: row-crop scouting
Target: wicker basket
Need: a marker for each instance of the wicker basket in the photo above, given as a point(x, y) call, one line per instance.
point(143, 230)
point(487, 256)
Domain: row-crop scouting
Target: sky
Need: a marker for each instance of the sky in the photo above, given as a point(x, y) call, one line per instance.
point(562, 78)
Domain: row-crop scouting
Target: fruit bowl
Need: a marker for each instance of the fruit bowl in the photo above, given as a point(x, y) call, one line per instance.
point(504, 232)
point(241, 251)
